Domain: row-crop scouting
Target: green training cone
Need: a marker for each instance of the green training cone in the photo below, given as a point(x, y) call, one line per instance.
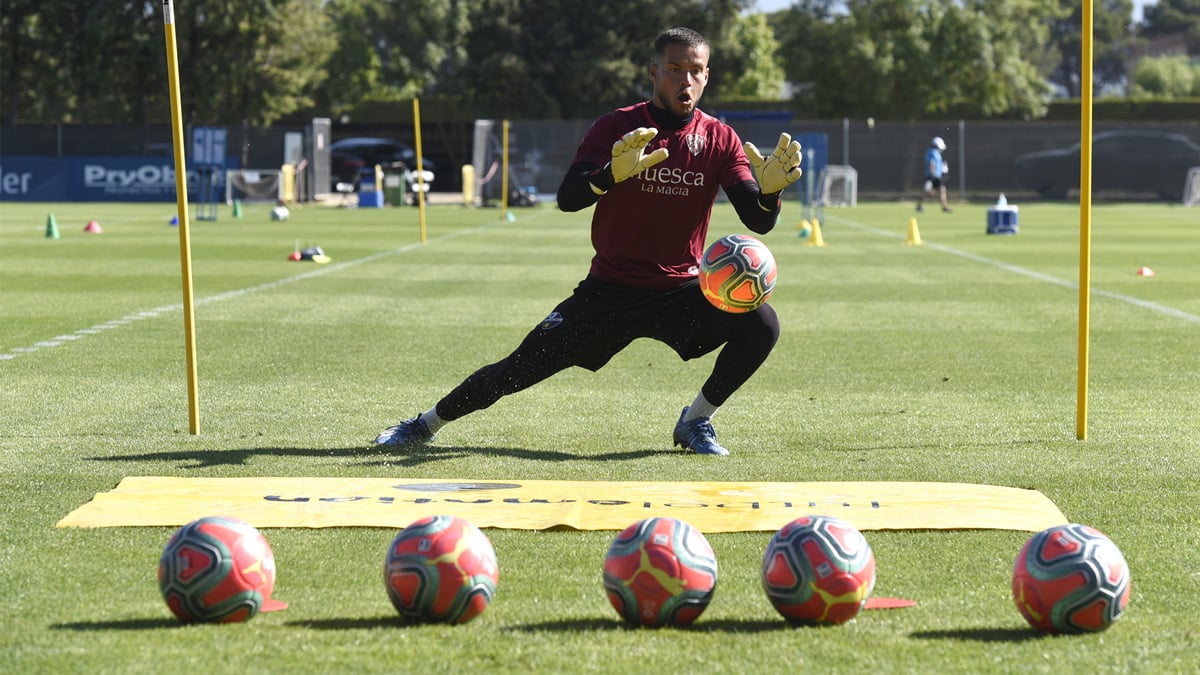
point(237, 208)
point(51, 227)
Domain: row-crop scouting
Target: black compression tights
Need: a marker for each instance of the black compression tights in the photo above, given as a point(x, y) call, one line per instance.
point(747, 344)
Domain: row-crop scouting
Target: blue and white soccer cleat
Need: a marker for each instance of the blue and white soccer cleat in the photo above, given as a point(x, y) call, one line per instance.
point(408, 432)
point(698, 436)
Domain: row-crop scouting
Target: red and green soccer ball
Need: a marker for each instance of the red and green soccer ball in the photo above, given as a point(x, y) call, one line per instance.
point(1070, 579)
point(737, 273)
point(441, 569)
point(660, 572)
point(216, 570)
point(818, 570)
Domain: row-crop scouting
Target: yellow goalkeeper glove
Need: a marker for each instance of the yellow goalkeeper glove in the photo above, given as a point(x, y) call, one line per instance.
point(781, 169)
point(628, 156)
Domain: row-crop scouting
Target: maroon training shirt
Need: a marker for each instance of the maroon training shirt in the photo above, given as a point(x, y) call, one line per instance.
point(649, 230)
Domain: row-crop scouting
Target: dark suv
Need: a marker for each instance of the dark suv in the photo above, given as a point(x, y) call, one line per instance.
point(1130, 162)
point(349, 156)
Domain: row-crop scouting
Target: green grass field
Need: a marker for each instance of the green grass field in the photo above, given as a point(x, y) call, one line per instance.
point(954, 361)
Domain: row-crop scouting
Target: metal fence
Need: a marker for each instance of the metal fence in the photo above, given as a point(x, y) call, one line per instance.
point(888, 156)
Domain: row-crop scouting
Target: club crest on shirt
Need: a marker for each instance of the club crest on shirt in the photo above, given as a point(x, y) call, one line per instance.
point(695, 143)
point(554, 320)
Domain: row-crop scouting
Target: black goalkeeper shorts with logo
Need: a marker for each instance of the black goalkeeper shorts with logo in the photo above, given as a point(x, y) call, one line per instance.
point(602, 318)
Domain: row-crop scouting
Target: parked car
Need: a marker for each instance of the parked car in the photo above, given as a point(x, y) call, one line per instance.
point(349, 156)
point(1128, 162)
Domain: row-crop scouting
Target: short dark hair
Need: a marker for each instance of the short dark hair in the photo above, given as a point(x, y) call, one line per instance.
point(678, 36)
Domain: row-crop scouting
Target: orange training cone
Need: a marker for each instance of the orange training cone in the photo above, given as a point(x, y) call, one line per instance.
point(914, 234)
point(93, 227)
point(815, 239)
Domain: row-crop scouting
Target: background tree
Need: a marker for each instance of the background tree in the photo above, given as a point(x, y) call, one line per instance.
point(81, 62)
point(354, 66)
point(989, 46)
point(1166, 77)
point(105, 61)
point(752, 60)
point(251, 61)
point(914, 58)
point(388, 52)
point(1174, 16)
point(1113, 21)
point(806, 36)
point(547, 59)
point(258, 61)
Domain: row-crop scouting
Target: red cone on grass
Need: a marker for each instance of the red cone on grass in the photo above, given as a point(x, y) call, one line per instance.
point(1145, 272)
point(93, 227)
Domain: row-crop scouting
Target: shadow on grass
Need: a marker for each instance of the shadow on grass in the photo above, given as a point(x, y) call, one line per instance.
point(981, 634)
point(394, 456)
point(357, 623)
point(127, 624)
point(701, 626)
point(400, 456)
point(564, 626)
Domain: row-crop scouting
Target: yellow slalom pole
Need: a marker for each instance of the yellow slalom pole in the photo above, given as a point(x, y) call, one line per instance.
point(504, 171)
point(420, 167)
point(1085, 222)
point(181, 200)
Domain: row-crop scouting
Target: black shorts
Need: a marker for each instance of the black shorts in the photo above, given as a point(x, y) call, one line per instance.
point(602, 318)
point(934, 183)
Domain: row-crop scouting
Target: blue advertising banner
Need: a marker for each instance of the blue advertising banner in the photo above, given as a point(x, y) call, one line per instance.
point(95, 179)
point(33, 179)
point(91, 179)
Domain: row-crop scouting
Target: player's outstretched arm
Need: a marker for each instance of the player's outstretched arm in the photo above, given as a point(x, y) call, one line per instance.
point(582, 186)
point(757, 210)
point(778, 170)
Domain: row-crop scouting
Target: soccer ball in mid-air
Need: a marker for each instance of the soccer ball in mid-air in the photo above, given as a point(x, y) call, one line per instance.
point(660, 572)
point(441, 569)
point(818, 570)
point(1070, 579)
point(737, 273)
point(216, 570)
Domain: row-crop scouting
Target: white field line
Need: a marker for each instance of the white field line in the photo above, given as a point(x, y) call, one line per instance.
point(1144, 304)
point(329, 268)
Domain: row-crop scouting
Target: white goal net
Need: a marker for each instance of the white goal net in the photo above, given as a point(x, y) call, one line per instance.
point(1191, 187)
point(837, 185)
point(253, 185)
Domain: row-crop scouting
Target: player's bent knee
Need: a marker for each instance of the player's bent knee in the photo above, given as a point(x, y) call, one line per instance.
point(767, 325)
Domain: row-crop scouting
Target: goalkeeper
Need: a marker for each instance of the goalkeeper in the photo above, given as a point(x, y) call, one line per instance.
point(652, 171)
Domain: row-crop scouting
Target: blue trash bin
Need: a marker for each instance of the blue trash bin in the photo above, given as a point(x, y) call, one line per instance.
point(370, 188)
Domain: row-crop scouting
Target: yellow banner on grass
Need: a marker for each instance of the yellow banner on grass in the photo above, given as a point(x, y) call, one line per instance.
point(546, 504)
